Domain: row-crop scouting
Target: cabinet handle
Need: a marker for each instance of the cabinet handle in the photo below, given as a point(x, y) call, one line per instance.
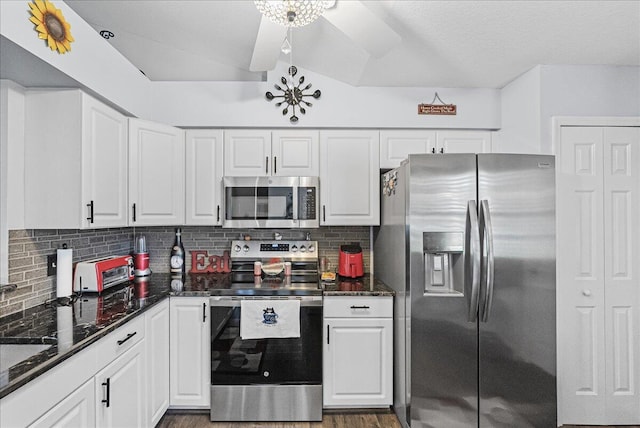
point(266, 168)
point(90, 206)
point(359, 307)
point(324, 213)
point(107, 400)
point(442, 150)
point(129, 336)
point(134, 212)
point(204, 312)
point(433, 150)
point(275, 165)
point(328, 334)
point(218, 213)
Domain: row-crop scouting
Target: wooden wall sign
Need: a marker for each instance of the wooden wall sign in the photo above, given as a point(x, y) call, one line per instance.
point(202, 262)
point(437, 109)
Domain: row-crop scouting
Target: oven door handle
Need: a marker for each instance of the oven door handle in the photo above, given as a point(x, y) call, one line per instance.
point(233, 301)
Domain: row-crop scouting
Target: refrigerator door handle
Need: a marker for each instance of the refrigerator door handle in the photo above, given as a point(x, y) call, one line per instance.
point(472, 261)
point(486, 236)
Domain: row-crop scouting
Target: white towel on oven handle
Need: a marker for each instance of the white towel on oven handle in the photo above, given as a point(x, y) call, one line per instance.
point(283, 322)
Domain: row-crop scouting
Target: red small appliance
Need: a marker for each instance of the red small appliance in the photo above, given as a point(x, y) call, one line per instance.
point(350, 263)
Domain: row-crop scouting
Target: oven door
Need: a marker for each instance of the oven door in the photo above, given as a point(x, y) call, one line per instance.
point(261, 202)
point(290, 361)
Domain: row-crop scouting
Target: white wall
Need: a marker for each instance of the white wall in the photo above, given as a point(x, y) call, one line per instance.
point(235, 104)
point(580, 90)
point(520, 115)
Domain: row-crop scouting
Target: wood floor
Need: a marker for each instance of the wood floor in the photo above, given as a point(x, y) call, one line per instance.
point(329, 420)
point(332, 420)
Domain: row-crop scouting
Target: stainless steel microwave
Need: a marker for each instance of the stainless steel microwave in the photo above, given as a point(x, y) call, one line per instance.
point(271, 202)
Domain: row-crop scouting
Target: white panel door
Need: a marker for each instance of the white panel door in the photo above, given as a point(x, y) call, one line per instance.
point(396, 146)
point(463, 142)
point(622, 274)
point(580, 305)
point(204, 177)
point(598, 284)
point(349, 178)
point(156, 174)
point(357, 362)
point(247, 153)
point(295, 153)
point(77, 410)
point(190, 358)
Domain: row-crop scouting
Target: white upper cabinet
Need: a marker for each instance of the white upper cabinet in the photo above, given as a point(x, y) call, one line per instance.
point(258, 153)
point(204, 177)
point(463, 142)
point(156, 174)
point(397, 145)
point(349, 177)
point(75, 162)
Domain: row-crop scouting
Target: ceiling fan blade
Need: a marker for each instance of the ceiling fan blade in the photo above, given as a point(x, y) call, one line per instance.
point(366, 30)
point(268, 43)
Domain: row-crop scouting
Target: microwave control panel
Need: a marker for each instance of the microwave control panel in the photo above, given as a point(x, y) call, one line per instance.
point(307, 203)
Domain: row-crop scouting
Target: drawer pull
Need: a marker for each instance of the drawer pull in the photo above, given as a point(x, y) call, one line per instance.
point(360, 307)
point(129, 336)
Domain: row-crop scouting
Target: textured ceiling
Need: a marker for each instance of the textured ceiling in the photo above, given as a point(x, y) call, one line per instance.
point(442, 43)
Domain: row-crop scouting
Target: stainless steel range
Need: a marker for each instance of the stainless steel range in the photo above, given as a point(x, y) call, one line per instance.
point(266, 329)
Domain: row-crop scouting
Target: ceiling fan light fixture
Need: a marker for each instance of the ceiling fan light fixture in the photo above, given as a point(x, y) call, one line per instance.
point(292, 13)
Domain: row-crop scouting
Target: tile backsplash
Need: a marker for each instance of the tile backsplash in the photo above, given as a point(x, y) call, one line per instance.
point(28, 251)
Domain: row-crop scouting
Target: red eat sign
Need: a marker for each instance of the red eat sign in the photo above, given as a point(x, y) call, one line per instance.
point(202, 262)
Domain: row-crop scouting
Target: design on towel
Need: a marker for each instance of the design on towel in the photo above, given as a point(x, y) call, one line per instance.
point(269, 316)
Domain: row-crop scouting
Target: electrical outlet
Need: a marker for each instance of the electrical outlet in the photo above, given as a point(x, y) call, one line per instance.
point(52, 264)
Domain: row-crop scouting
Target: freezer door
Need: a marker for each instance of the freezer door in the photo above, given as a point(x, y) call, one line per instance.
point(442, 381)
point(517, 330)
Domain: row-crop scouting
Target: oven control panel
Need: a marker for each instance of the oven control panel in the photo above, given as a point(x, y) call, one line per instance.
point(285, 249)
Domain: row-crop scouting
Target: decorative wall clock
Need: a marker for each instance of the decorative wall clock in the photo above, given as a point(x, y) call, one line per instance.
point(51, 25)
point(293, 95)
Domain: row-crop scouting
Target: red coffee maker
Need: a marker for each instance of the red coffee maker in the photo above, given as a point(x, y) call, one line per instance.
point(350, 263)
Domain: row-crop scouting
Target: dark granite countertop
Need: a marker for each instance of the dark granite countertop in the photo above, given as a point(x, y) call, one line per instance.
point(69, 329)
point(368, 285)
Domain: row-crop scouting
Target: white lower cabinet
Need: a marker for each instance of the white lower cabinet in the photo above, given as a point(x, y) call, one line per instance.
point(120, 398)
point(77, 410)
point(190, 358)
point(358, 351)
point(157, 370)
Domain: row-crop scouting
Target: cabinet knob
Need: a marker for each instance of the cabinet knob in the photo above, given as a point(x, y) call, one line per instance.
point(586, 292)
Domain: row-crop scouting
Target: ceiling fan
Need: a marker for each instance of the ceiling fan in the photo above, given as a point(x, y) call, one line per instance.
point(351, 17)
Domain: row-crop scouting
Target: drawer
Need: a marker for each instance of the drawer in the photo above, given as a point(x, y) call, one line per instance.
point(358, 307)
point(117, 342)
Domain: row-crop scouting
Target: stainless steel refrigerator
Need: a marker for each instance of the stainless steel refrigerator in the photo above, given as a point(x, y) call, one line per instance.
point(468, 243)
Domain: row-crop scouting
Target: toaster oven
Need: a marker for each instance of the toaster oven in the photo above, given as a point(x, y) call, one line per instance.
point(97, 275)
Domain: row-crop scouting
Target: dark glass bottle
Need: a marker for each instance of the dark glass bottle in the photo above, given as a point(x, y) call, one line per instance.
point(176, 262)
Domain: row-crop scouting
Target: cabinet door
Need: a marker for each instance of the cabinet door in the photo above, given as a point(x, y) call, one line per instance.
point(463, 142)
point(295, 153)
point(247, 153)
point(358, 359)
point(157, 360)
point(156, 174)
point(120, 397)
point(204, 177)
point(396, 146)
point(350, 178)
point(190, 358)
point(77, 410)
point(104, 165)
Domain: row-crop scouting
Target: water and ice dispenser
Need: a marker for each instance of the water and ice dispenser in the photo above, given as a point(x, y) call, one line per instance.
point(443, 263)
